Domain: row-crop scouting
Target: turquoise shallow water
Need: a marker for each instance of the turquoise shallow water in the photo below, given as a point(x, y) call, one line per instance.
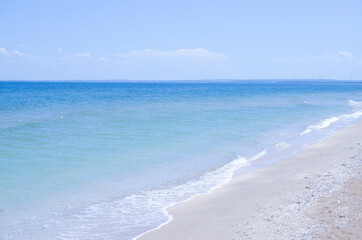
point(103, 160)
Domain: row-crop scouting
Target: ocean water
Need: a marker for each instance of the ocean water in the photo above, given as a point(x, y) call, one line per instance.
point(104, 160)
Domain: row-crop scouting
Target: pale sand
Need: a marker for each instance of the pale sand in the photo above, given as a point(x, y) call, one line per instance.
point(313, 195)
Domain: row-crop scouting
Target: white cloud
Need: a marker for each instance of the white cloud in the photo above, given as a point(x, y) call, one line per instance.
point(60, 50)
point(82, 55)
point(16, 52)
point(103, 59)
point(75, 57)
point(22, 45)
point(345, 54)
point(196, 63)
point(327, 57)
point(196, 53)
point(3, 51)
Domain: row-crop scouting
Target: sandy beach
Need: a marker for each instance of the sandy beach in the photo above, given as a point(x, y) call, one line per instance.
point(315, 194)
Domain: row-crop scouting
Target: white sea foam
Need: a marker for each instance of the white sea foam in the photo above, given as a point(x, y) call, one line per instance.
point(281, 146)
point(355, 103)
point(352, 115)
point(212, 180)
point(258, 155)
point(327, 122)
point(322, 124)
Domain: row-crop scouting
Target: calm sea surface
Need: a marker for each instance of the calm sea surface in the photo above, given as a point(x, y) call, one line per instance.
point(103, 160)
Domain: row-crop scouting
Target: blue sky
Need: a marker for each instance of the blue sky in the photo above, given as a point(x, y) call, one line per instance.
point(168, 40)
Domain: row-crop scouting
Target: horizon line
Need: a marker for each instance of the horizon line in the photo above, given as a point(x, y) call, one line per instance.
point(185, 81)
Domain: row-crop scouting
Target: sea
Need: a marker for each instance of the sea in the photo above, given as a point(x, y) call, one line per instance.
point(104, 160)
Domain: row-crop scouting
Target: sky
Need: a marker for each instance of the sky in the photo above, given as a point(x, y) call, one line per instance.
point(180, 40)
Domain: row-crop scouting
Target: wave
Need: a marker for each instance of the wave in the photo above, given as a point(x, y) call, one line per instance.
point(352, 115)
point(212, 180)
point(322, 124)
point(257, 156)
point(207, 183)
point(328, 121)
point(281, 146)
point(136, 213)
point(355, 103)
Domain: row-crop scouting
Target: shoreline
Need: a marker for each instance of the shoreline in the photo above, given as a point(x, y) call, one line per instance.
point(272, 202)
